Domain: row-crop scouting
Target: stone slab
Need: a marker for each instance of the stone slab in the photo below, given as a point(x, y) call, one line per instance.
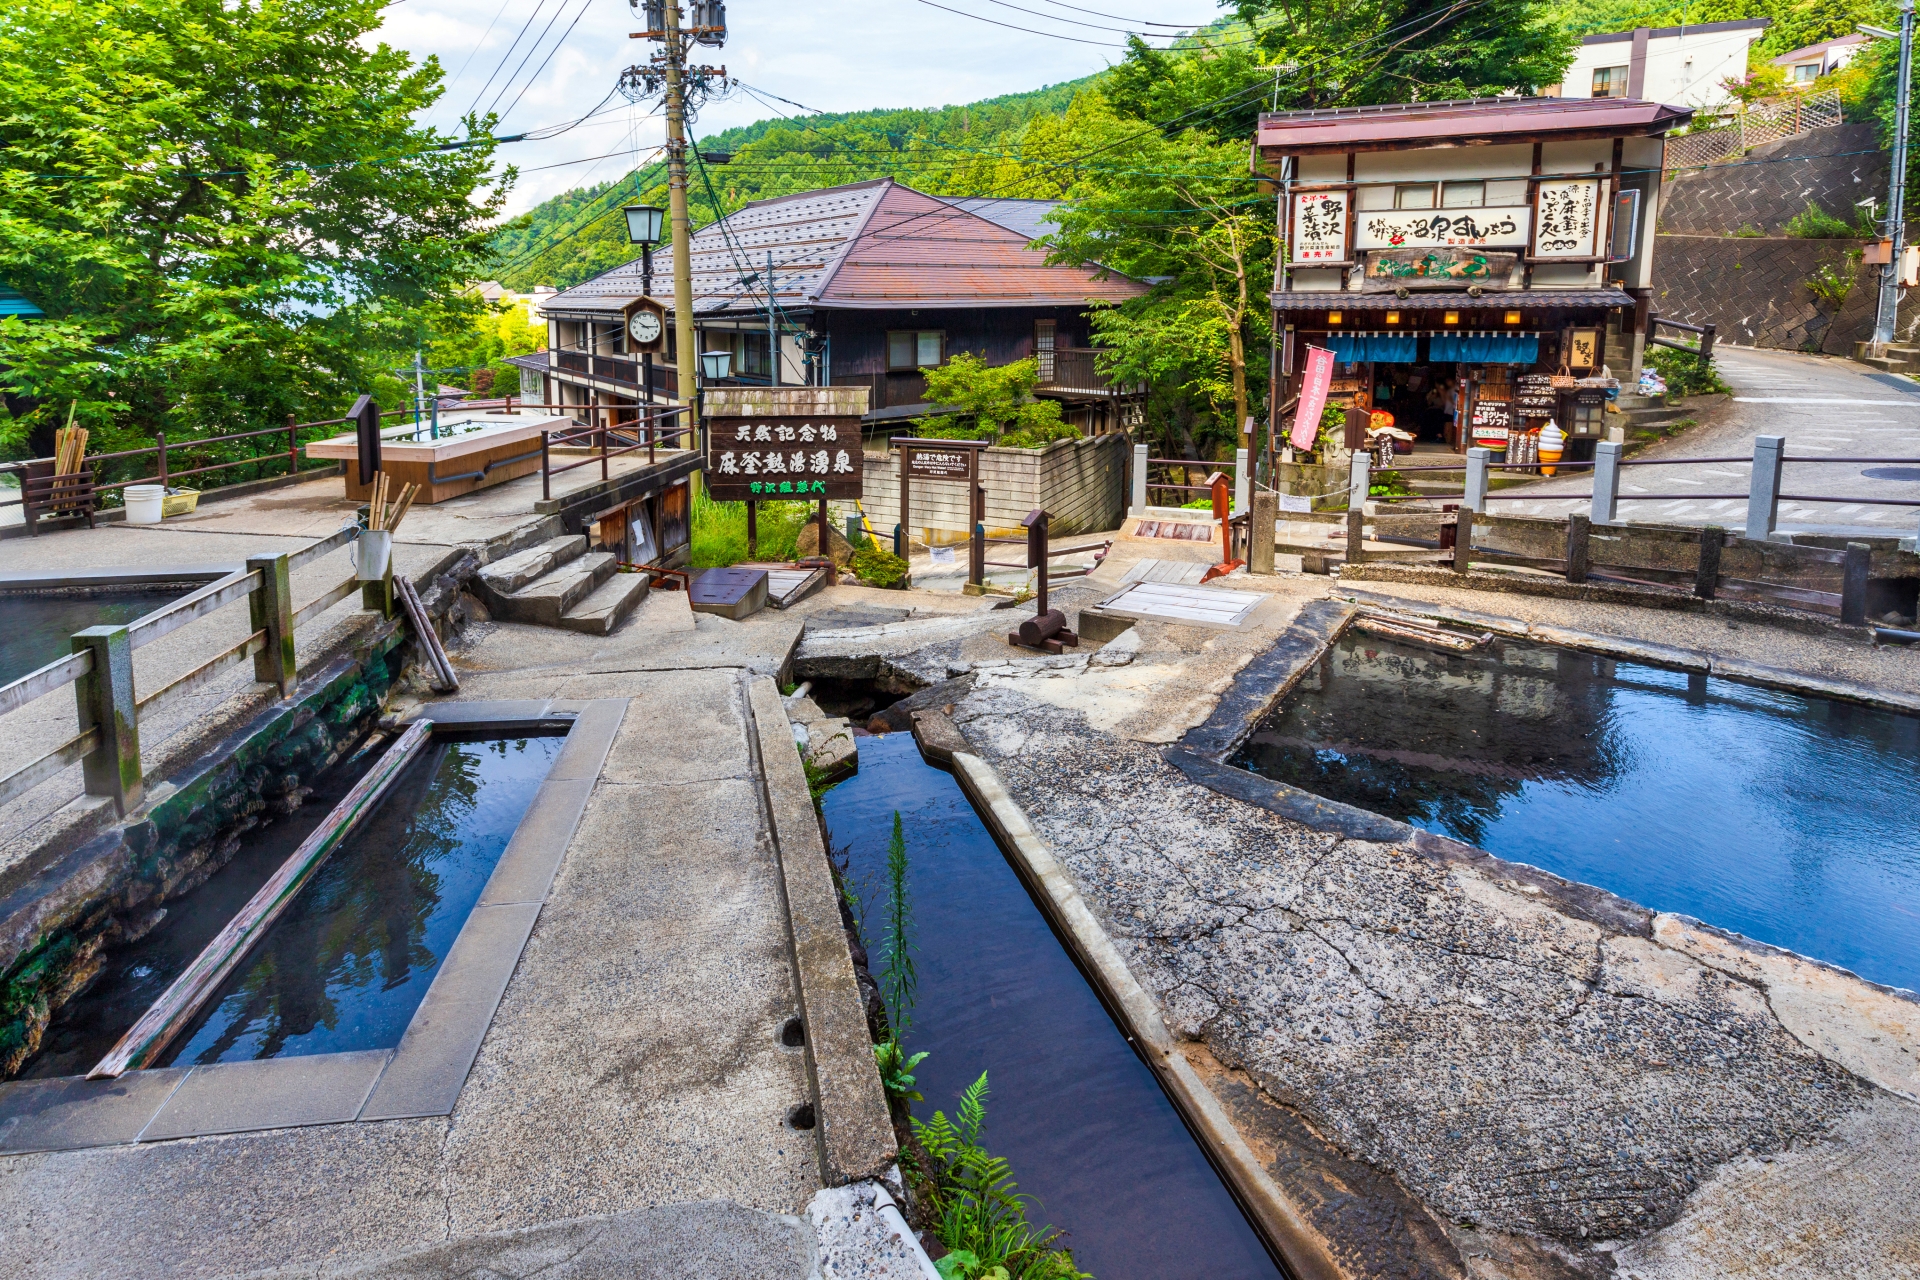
point(527, 865)
point(59, 1115)
point(278, 1093)
point(430, 1066)
point(685, 726)
point(587, 745)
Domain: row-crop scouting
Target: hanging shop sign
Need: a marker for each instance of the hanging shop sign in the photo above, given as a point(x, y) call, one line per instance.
point(1319, 227)
point(1534, 396)
point(1568, 218)
point(1445, 268)
point(771, 459)
point(1584, 352)
point(1428, 228)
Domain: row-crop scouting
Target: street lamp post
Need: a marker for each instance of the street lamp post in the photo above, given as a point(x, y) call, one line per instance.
point(643, 229)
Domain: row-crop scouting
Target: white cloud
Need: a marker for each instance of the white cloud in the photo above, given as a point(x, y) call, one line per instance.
point(901, 54)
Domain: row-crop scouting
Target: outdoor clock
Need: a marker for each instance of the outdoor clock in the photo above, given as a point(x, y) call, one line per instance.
point(644, 325)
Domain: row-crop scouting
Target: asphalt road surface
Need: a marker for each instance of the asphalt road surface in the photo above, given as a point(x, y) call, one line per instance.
point(1825, 407)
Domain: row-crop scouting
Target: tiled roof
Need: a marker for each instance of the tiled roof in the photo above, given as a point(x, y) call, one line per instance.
point(868, 245)
point(1467, 120)
point(1031, 218)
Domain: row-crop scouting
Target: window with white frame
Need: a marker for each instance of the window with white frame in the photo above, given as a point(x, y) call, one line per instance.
point(1463, 195)
point(1609, 82)
point(915, 348)
point(1415, 195)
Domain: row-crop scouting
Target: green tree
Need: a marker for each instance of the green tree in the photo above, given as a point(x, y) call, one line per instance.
point(225, 209)
point(996, 402)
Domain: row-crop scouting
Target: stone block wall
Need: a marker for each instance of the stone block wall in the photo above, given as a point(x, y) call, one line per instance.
point(1755, 290)
point(1080, 483)
point(1832, 168)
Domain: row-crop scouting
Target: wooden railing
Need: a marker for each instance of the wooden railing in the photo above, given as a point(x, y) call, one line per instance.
point(100, 668)
point(649, 429)
point(1073, 371)
point(624, 369)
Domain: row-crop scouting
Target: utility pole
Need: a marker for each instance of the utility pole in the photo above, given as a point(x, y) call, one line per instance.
point(688, 358)
point(1896, 226)
point(773, 330)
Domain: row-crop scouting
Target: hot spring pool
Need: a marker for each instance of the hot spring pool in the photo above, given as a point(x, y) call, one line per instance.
point(1781, 817)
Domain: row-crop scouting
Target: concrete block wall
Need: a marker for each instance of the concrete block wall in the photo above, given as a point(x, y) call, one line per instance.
point(1081, 483)
point(1833, 168)
point(1755, 290)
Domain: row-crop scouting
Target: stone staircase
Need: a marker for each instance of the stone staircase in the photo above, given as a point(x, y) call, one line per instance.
point(1646, 413)
point(1900, 358)
point(561, 584)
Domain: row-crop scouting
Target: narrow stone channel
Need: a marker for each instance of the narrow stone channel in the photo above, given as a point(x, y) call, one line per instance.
point(1088, 1131)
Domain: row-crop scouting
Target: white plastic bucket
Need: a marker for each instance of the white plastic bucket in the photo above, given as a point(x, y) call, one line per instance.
point(144, 502)
point(371, 551)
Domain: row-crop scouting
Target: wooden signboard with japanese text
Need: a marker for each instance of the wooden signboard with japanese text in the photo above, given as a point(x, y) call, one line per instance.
point(784, 459)
point(1319, 228)
point(930, 462)
point(1445, 268)
point(1567, 219)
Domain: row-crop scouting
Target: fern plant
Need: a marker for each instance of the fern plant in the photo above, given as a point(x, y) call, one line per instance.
point(980, 1215)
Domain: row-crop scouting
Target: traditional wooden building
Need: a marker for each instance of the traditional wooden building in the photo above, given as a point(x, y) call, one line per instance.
point(873, 284)
point(1466, 261)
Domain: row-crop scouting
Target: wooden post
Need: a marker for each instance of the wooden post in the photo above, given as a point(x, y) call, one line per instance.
point(106, 703)
point(1223, 512)
point(293, 444)
point(1036, 523)
point(753, 529)
point(601, 419)
point(1706, 576)
point(900, 527)
point(1260, 532)
point(977, 553)
point(546, 471)
point(1853, 588)
point(160, 440)
point(826, 535)
point(1462, 539)
point(1579, 528)
point(270, 609)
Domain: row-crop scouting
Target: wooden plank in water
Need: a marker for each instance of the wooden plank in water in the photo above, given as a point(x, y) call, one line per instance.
point(177, 1005)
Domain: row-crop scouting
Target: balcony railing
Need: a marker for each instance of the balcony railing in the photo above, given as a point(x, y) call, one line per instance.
point(1071, 371)
point(623, 369)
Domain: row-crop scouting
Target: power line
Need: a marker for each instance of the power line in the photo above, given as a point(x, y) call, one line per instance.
point(514, 44)
point(558, 10)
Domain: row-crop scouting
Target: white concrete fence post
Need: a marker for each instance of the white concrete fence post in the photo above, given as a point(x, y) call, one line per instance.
point(1478, 460)
point(1606, 482)
point(1763, 489)
point(1139, 479)
point(1358, 481)
point(1242, 481)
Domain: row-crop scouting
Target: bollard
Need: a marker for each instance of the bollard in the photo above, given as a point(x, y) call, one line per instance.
point(855, 538)
point(1139, 478)
point(1763, 488)
point(1478, 459)
point(1462, 539)
point(1606, 482)
point(1853, 584)
point(270, 609)
point(1260, 524)
point(1242, 481)
point(106, 703)
point(1357, 483)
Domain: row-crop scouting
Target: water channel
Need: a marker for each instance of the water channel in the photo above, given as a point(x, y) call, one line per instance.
point(347, 964)
point(1774, 815)
point(1088, 1131)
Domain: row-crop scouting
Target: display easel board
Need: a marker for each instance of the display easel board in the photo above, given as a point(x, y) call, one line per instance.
point(788, 586)
point(735, 592)
point(1183, 603)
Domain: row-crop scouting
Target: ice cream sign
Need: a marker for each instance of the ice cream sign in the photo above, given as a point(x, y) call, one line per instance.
point(1432, 228)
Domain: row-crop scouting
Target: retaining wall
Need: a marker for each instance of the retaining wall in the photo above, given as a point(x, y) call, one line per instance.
point(1080, 483)
point(1754, 288)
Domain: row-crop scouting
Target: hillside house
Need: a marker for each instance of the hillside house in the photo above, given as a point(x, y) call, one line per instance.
point(874, 283)
point(1686, 66)
point(1454, 256)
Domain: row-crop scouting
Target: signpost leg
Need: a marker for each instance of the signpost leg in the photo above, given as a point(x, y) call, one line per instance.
point(753, 530)
point(826, 533)
point(977, 554)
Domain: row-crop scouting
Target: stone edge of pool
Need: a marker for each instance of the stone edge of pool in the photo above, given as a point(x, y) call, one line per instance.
point(423, 1075)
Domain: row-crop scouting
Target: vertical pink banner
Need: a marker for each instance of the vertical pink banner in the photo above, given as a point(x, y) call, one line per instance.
point(1314, 381)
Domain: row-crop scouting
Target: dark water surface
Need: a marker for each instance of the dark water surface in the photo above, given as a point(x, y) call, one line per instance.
point(1085, 1125)
point(349, 962)
point(36, 629)
point(1785, 818)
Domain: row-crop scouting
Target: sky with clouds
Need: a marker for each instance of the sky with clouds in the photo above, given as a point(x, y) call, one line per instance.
point(545, 62)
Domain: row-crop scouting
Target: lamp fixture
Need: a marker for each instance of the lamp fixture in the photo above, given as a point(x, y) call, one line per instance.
point(643, 223)
point(1393, 317)
point(1333, 317)
point(1513, 317)
point(716, 366)
point(1451, 317)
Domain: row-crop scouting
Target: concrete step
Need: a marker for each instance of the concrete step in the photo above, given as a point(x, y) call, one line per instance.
point(1889, 364)
point(1628, 402)
point(1654, 417)
point(609, 604)
point(508, 575)
point(546, 599)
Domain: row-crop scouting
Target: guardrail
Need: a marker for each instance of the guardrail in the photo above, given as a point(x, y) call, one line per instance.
point(642, 432)
point(100, 668)
point(1144, 485)
point(1702, 346)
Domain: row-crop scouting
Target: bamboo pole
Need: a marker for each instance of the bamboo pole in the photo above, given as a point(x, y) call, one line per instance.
point(445, 679)
point(176, 1007)
point(402, 507)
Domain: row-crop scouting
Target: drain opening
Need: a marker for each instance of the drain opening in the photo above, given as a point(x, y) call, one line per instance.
point(800, 1117)
point(793, 1033)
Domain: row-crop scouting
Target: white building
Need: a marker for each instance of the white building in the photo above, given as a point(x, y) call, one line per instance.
point(1804, 66)
point(1680, 66)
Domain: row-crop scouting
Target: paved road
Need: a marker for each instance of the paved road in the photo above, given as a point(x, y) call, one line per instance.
point(1823, 406)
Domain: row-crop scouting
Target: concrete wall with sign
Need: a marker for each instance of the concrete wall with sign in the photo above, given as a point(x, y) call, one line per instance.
point(1081, 483)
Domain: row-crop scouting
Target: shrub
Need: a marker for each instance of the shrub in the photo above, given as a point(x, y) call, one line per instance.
point(1833, 281)
point(996, 404)
point(1686, 374)
point(878, 567)
point(1815, 223)
point(719, 530)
